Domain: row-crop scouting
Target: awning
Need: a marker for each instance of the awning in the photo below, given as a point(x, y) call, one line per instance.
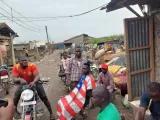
point(117, 4)
point(5, 30)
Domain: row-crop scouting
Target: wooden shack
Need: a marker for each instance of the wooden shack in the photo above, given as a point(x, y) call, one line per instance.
point(142, 35)
point(6, 40)
point(79, 40)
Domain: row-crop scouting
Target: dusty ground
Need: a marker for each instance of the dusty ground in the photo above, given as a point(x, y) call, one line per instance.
point(55, 88)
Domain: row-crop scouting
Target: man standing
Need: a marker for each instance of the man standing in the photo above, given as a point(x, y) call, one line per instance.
point(101, 98)
point(65, 60)
point(70, 105)
point(150, 100)
point(74, 68)
point(27, 73)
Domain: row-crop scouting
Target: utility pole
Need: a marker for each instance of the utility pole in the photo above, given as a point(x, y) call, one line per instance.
point(12, 49)
point(12, 14)
point(37, 51)
point(11, 43)
point(48, 45)
point(47, 34)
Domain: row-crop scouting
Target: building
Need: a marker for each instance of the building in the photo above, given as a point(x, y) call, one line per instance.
point(20, 49)
point(36, 43)
point(35, 49)
point(6, 40)
point(21, 46)
point(142, 43)
point(59, 45)
point(30, 45)
point(113, 43)
point(41, 47)
point(79, 40)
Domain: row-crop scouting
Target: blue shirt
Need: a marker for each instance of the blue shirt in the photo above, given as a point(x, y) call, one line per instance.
point(154, 107)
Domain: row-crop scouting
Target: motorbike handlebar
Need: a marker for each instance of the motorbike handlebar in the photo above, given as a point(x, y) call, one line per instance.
point(18, 82)
point(43, 81)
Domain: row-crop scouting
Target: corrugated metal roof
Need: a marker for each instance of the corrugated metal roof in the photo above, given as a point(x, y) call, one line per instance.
point(68, 41)
point(5, 26)
point(117, 4)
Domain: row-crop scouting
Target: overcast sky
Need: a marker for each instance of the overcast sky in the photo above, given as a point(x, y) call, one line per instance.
point(96, 24)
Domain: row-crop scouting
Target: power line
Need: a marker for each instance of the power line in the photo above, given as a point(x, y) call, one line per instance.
point(17, 13)
point(32, 19)
point(18, 23)
point(16, 19)
point(13, 9)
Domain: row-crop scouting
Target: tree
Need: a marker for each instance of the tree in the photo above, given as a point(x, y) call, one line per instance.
point(108, 38)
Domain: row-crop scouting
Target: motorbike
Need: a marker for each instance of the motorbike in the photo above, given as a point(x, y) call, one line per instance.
point(4, 78)
point(28, 102)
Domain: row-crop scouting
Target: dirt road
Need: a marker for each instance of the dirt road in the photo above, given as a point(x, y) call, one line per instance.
point(48, 67)
point(55, 88)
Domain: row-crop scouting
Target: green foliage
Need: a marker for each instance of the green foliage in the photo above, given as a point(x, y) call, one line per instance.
point(108, 38)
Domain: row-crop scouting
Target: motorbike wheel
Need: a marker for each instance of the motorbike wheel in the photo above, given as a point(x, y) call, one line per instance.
point(28, 117)
point(34, 116)
point(34, 113)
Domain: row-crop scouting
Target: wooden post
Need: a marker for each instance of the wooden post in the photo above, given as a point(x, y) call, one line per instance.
point(151, 40)
point(133, 11)
point(1, 58)
point(37, 51)
point(128, 62)
point(12, 50)
point(48, 42)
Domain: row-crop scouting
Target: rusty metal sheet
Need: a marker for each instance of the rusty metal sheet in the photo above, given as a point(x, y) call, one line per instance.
point(139, 65)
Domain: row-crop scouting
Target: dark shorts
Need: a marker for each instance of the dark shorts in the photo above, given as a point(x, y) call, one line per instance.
point(154, 106)
point(150, 118)
point(88, 97)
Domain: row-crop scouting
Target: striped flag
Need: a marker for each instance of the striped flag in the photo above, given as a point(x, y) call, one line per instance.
point(69, 105)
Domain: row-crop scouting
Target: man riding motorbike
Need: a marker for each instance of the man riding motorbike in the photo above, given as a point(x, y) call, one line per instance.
point(27, 73)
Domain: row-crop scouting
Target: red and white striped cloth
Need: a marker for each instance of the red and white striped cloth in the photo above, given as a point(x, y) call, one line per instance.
point(69, 105)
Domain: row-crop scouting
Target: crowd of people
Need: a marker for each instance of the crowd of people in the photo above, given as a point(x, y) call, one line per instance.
point(74, 68)
point(86, 91)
